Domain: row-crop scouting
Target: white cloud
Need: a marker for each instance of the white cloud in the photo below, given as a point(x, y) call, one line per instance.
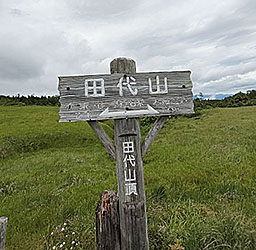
point(41, 40)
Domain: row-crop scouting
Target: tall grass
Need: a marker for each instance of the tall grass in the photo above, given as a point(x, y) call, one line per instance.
point(199, 176)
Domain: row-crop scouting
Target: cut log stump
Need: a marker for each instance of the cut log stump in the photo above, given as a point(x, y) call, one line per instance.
point(107, 222)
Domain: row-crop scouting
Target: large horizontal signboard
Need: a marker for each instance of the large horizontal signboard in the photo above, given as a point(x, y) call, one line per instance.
point(116, 96)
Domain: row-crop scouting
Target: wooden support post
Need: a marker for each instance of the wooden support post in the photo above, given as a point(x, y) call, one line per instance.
point(159, 123)
point(3, 228)
point(132, 200)
point(104, 138)
point(107, 222)
point(130, 177)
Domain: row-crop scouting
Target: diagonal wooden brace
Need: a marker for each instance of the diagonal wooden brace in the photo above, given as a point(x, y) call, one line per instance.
point(159, 123)
point(104, 138)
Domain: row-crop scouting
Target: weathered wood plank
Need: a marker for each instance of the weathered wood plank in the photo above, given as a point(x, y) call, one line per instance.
point(104, 138)
point(107, 222)
point(3, 229)
point(125, 95)
point(159, 123)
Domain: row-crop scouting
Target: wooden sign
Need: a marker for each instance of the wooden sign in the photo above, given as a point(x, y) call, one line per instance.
point(115, 96)
point(125, 94)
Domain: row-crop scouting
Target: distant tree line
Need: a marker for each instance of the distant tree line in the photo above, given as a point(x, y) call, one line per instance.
point(237, 100)
point(29, 100)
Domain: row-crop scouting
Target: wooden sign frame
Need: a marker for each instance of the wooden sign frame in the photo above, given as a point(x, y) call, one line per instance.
point(125, 213)
point(117, 96)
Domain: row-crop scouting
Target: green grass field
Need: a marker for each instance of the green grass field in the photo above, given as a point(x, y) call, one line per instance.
point(200, 177)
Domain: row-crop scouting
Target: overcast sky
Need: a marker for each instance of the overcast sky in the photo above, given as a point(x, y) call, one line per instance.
point(39, 40)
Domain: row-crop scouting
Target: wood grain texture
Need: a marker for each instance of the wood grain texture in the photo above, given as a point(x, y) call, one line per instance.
point(122, 65)
point(107, 222)
point(104, 138)
point(76, 106)
point(132, 202)
point(159, 123)
point(132, 208)
point(3, 229)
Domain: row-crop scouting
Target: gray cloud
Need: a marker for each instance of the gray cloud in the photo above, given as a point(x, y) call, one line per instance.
point(40, 41)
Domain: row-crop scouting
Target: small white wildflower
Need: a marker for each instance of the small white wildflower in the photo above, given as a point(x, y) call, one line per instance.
point(71, 247)
point(62, 229)
point(73, 232)
point(51, 233)
point(73, 242)
point(61, 245)
point(76, 244)
point(54, 247)
point(65, 224)
point(66, 235)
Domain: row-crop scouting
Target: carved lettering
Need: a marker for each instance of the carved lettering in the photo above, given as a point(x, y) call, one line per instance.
point(94, 87)
point(128, 103)
point(127, 81)
point(159, 90)
point(129, 168)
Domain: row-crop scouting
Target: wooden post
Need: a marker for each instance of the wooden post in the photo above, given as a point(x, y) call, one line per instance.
point(130, 177)
point(3, 228)
point(107, 222)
